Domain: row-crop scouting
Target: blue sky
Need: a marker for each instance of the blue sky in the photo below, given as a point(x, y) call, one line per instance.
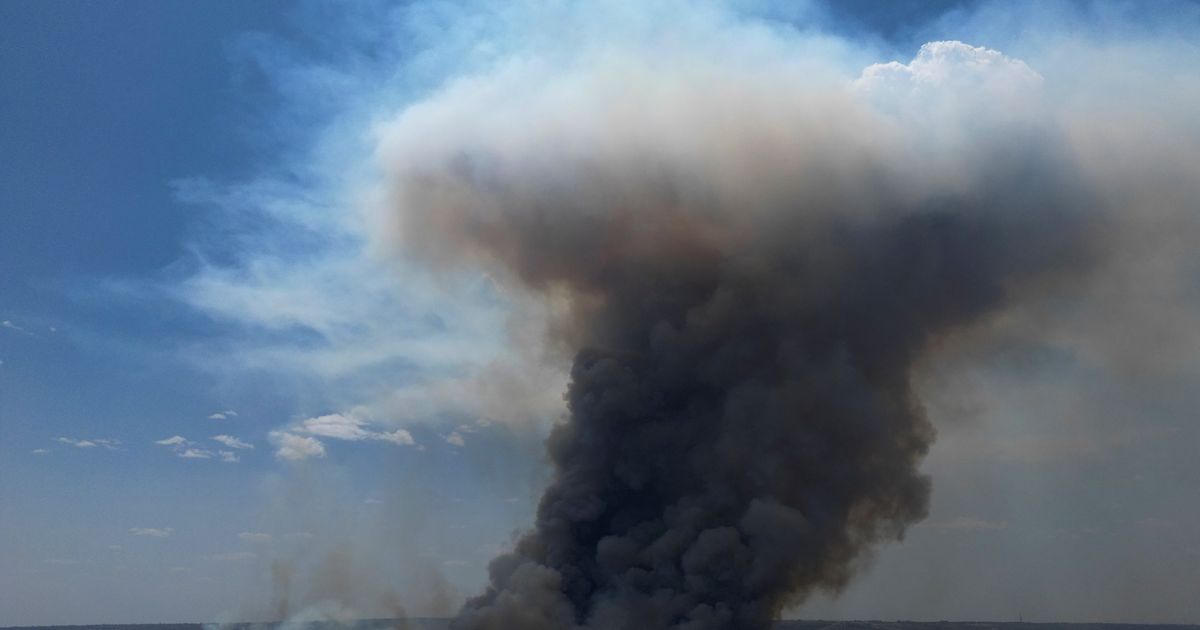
point(208, 369)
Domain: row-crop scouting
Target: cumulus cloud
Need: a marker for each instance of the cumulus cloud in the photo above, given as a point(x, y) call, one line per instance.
point(400, 436)
point(953, 66)
point(355, 425)
point(299, 439)
point(232, 442)
point(187, 449)
point(90, 443)
point(223, 415)
point(153, 532)
point(294, 447)
point(338, 426)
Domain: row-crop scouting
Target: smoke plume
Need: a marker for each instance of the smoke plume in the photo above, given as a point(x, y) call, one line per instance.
point(747, 255)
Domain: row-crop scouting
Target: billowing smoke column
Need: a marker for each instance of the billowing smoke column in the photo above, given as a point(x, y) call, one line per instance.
point(747, 257)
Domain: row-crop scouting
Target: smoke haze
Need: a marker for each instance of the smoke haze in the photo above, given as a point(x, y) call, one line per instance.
point(747, 253)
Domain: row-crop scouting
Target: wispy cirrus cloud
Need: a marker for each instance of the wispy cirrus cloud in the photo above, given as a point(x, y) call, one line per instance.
point(314, 295)
point(152, 532)
point(109, 444)
point(187, 449)
point(13, 327)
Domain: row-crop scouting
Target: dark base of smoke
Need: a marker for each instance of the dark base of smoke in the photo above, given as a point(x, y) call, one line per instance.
point(443, 624)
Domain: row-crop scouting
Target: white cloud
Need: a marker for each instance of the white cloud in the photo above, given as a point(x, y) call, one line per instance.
point(232, 442)
point(11, 326)
point(352, 426)
point(223, 415)
point(952, 64)
point(153, 532)
point(373, 317)
point(337, 426)
point(40, 451)
point(456, 439)
point(185, 449)
point(255, 537)
point(399, 436)
point(90, 443)
point(294, 447)
point(951, 91)
point(229, 457)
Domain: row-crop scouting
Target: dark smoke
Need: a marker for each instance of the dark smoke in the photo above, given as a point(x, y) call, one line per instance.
point(742, 423)
point(746, 301)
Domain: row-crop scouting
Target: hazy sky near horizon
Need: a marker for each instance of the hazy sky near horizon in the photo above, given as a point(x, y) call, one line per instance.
point(219, 391)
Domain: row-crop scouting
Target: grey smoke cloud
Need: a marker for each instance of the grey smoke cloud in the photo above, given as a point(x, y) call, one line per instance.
point(748, 257)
